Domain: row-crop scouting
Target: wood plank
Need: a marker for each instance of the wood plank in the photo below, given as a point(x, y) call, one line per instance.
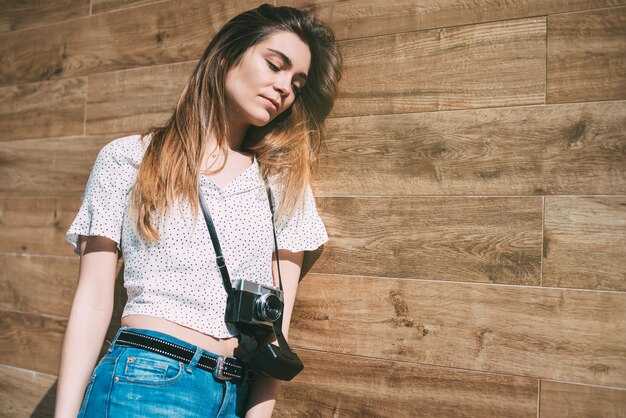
point(44, 284)
point(26, 393)
point(38, 285)
point(490, 239)
point(154, 34)
point(334, 385)
point(103, 6)
point(134, 100)
point(562, 400)
point(556, 149)
point(19, 14)
point(364, 18)
point(494, 240)
point(37, 225)
point(585, 242)
point(51, 167)
point(484, 65)
point(36, 110)
point(586, 55)
point(40, 338)
point(576, 336)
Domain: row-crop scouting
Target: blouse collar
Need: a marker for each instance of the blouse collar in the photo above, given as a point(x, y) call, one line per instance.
point(248, 179)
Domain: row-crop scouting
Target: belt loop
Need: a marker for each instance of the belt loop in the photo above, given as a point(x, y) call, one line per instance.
point(195, 359)
point(119, 331)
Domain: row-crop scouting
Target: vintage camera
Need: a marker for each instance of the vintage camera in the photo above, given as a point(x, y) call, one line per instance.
point(254, 306)
point(257, 309)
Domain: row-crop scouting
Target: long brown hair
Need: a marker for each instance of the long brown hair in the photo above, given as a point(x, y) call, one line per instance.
point(286, 148)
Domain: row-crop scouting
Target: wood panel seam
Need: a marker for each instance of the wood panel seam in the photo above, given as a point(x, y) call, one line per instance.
point(545, 51)
point(461, 109)
point(539, 398)
point(41, 255)
point(470, 196)
point(152, 3)
point(587, 10)
point(543, 242)
point(521, 286)
point(39, 27)
point(30, 313)
point(36, 372)
point(543, 379)
point(85, 106)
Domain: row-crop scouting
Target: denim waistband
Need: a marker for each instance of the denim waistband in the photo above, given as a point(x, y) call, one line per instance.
point(221, 368)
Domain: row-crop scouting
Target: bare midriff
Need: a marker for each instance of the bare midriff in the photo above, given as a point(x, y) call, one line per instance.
point(223, 347)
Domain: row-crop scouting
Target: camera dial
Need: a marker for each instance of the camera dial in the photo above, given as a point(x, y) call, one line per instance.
point(268, 307)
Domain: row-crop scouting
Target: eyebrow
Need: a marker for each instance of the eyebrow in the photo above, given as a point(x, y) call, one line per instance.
point(287, 61)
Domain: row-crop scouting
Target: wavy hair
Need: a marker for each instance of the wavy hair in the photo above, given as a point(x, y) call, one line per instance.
point(286, 148)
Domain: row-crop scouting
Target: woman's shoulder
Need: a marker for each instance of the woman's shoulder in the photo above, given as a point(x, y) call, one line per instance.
point(126, 150)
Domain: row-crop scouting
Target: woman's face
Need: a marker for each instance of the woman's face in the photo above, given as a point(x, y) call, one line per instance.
point(265, 81)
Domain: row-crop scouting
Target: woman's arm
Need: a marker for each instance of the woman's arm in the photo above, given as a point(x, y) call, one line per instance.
point(263, 391)
point(89, 320)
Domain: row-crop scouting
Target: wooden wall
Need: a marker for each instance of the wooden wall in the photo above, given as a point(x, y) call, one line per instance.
point(473, 187)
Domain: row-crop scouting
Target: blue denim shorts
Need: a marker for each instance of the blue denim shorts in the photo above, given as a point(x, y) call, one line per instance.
point(134, 382)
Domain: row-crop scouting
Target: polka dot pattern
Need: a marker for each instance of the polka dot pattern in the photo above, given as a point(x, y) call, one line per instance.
point(177, 277)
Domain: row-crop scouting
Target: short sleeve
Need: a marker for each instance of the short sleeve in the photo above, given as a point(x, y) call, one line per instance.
point(102, 209)
point(303, 231)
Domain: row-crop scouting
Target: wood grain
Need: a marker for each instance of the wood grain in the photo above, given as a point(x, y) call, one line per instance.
point(568, 335)
point(103, 6)
point(45, 284)
point(482, 239)
point(334, 385)
point(54, 167)
point(26, 393)
point(36, 225)
point(134, 100)
point(37, 284)
point(577, 148)
point(40, 110)
point(586, 55)
point(364, 18)
point(484, 65)
point(562, 400)
point(153, 34)
point(31, 341)
point(40, 337)
point(585, 242)
point(19, 14)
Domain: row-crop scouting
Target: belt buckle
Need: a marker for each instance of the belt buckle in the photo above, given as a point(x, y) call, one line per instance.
point(218, 371)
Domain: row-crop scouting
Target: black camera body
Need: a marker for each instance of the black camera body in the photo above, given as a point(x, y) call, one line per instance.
point(257, 309)
point(254, 306)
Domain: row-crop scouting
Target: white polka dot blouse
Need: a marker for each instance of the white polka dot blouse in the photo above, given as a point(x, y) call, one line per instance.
point(177, 278)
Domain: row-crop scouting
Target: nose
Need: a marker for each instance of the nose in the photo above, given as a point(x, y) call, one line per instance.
point(282, 85)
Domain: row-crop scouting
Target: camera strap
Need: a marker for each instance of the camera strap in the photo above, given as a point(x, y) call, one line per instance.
point(221, 263)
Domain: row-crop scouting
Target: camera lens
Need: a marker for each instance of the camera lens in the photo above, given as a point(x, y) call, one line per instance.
point(268, 307)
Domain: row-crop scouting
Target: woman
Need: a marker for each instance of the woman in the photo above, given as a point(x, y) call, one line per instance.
point(253, 108)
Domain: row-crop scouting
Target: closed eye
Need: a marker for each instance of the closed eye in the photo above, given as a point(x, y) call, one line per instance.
point(272, 66)
point(294, 87)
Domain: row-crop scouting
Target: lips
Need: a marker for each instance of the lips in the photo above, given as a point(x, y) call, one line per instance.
point(272, 102)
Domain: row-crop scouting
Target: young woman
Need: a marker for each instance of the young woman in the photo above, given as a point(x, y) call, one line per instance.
point(251, 114)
